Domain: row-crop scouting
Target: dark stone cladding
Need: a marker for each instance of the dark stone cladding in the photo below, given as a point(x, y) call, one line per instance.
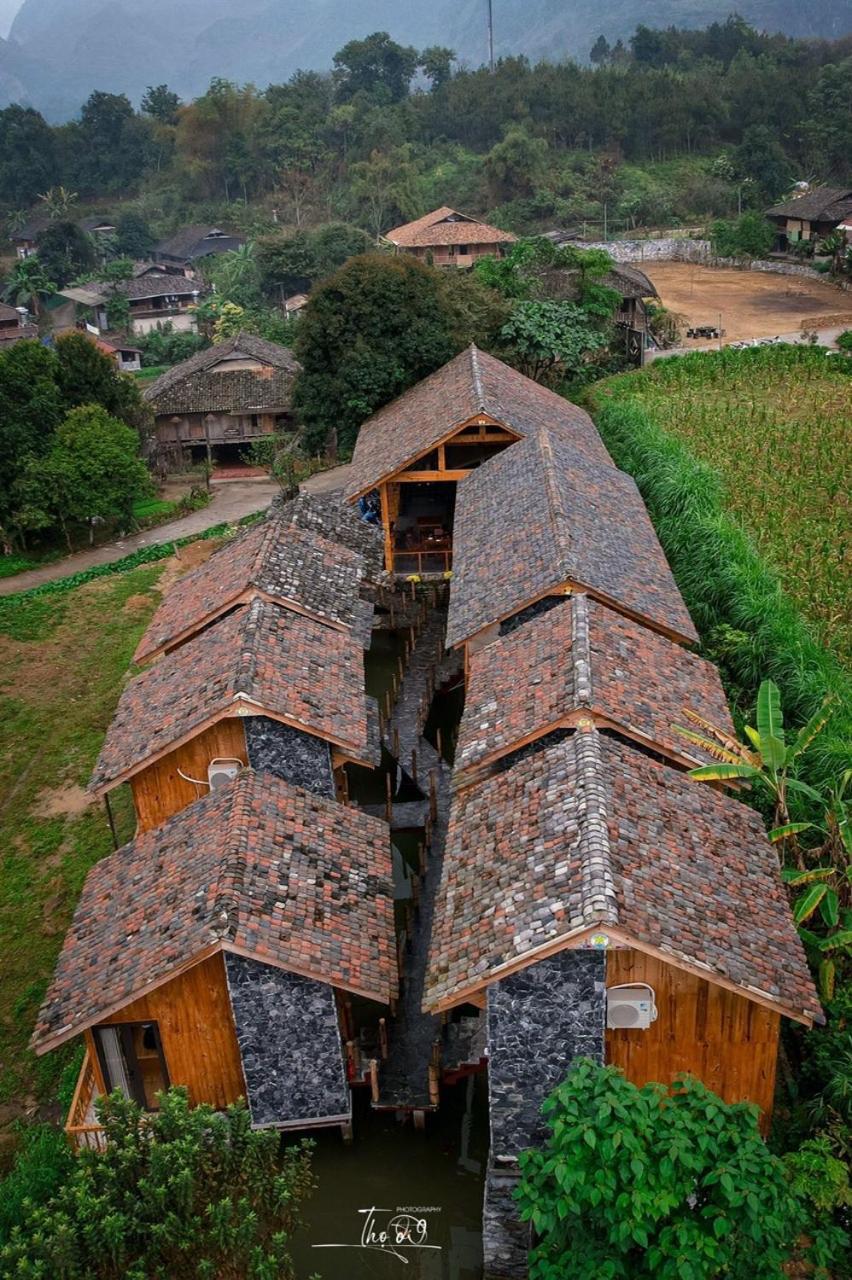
point(296, 757)
point(544, 605)
point(539, 1021)
point(289, 1044)
point(505, 1238)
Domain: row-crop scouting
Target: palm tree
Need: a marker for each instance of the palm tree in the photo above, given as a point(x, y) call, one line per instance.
point(27, 283)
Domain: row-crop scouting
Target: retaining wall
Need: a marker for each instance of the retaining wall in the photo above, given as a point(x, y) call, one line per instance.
point(698, 251)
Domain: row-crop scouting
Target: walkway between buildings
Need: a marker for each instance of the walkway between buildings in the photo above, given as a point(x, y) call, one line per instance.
point(404, 1080)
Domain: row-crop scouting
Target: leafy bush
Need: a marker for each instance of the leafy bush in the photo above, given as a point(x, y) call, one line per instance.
point(181, 1192)
point(671, 1184)
point(844, 340)
point(163, 346)
point(43, 1161)
point(750, 236)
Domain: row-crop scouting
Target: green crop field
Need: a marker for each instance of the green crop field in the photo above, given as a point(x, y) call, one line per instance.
point(775, 423)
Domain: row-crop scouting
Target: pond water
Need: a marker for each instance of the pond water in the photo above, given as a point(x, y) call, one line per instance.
point(438, 1174)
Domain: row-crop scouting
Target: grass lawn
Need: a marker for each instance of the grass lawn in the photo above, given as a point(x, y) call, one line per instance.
point(776, 425)
point(63, 660)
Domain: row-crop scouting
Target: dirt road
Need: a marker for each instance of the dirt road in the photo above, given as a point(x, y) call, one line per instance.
point(752, 304)
point(230, 502)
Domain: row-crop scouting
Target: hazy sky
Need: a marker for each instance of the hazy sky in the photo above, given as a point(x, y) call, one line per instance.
point(8, 9)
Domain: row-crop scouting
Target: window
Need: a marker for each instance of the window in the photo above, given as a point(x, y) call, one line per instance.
point(131, 1059)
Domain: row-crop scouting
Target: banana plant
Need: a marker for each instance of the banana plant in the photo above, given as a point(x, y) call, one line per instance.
point(767, 761)
point(823, 872)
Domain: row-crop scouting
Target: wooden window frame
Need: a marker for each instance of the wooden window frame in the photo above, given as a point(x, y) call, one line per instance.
point(125, 1031)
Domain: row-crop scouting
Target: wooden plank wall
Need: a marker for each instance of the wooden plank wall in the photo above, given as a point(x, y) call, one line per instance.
point(159, 791)
point(197, 1032)
point(728, 1042)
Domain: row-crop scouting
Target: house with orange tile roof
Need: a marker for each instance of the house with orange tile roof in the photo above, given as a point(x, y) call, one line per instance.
point(215, 952)
point(262, 686)
point(447, 238)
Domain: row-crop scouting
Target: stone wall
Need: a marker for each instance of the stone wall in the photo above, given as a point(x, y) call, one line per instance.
point(290, 1046)
point(505, 1239)
point(298, 758)
point(539, 1021)
point(673, 249)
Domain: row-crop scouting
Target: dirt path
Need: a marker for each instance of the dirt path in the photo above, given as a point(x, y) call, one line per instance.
point(230, 502)
point(752, 304)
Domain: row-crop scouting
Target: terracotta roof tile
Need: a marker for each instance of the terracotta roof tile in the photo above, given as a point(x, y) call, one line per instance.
point(472, 383)
point(257, 866)
point(587, 831)
point(294, 567)
point(541, 514)
point(262, 657)
point(581, 656)
point(446, 226)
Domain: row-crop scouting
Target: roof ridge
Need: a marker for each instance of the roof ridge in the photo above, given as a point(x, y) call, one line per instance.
point(555, 505)
point(248, 655)
point(477, 377)
point(234, 861)
point(597, 882)
point(581, 652)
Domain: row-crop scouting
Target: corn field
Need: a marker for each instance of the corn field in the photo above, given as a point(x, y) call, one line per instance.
point(775, 424)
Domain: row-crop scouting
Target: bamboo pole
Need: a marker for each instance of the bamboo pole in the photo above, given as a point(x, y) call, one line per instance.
point(434, 1087)
point(421, 856)
point(388, 799)
point(374, 1079)
point(383, 1039)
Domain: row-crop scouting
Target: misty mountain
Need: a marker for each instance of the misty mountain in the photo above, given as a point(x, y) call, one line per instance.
point(58, 51)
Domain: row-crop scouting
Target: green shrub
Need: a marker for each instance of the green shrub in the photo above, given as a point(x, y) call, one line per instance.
point(735, 598)
point(184, 1193)
point(43, 1161)
point(844, 340)
point(670, 1184)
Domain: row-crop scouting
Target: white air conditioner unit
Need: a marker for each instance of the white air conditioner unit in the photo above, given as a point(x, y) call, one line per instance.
point(221, 771)
point(631, 1007)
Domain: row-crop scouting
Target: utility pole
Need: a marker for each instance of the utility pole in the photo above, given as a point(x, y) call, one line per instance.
point(490, 36)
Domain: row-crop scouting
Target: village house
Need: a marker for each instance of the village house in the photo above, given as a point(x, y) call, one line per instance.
point(413, 453)
point(581, 662)
point(26, 238)
point(811, 216)
point(544, 520)
point(185, 251)
point(225, 397)
point(295, 568)
point(128, 359)
point(154, 296)
point(447, 238)
point(263, 687)
point(254, 914)
point(15, 324)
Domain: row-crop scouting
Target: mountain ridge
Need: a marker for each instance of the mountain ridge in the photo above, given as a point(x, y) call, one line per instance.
point(58, 51)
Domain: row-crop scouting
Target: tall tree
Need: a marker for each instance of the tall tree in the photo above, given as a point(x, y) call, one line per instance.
point(85, 375)
point(28, 157)
point(160, 103)
point(437, 65)
point(65, 251)
point(30, 411)
point(372, 329)
point(376, 66)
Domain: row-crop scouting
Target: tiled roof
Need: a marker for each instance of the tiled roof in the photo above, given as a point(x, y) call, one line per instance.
point(582, 657)
point(472, 383)
point(540, 514)
point(587, 832)
point(260, 657)
point(197, 386)
point(822, 204)
point(336, 520)
point(446, 226)
point(197, 241)
point(258, 867)
point(156, 284)
point(294, 567)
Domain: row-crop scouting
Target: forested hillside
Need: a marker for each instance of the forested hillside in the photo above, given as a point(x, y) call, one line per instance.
point(63, 49)
point(677, 125)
